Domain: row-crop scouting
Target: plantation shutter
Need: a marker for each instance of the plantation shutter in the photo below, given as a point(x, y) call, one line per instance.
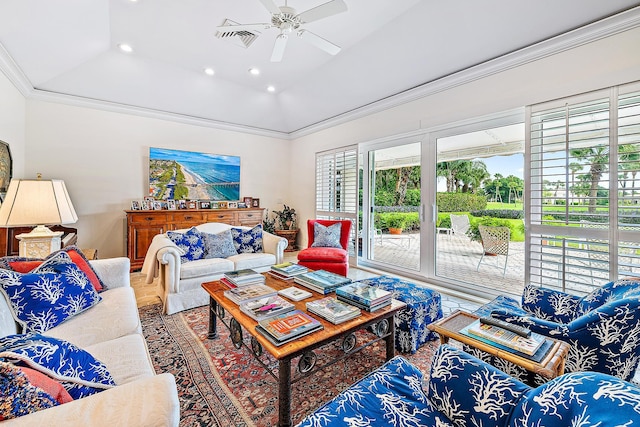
point(576, 242)
point(337, 185)
point(629, 179)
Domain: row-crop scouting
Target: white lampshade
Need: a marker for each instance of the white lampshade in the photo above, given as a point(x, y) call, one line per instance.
point(31, 202)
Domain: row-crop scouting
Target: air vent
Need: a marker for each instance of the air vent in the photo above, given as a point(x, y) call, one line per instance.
point(241, 38)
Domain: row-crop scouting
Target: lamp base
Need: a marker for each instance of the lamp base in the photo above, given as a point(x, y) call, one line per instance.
point(39, 243)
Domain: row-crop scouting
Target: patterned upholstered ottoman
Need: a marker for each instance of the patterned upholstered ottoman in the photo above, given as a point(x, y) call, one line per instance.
point(423, 307)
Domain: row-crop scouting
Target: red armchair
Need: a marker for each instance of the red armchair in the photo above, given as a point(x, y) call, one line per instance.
point(335, 260)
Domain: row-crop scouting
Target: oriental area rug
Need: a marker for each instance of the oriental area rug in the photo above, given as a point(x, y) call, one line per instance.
point(221, 386)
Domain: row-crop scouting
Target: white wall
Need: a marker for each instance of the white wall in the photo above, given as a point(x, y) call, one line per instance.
point(103, 158)
point(12, 122)
point(600, 64)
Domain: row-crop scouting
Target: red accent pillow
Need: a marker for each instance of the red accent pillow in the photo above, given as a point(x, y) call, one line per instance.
point(48, 384)
point(76, 256)
point(24, 266)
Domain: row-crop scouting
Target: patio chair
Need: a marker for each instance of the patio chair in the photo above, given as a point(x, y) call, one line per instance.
point(495, 241)
point(460, 224)
point(603, 327)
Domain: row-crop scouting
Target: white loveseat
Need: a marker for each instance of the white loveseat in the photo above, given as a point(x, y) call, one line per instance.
point(181, 282)
point(112, 333)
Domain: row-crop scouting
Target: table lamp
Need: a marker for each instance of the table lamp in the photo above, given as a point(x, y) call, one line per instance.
point(37, 202)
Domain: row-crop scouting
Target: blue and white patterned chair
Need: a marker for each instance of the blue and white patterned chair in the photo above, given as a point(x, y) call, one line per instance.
point(603, 327)
point(424, 306)
point(464, 391)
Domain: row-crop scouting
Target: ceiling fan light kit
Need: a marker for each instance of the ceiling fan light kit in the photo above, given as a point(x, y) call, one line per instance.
point(285, 19)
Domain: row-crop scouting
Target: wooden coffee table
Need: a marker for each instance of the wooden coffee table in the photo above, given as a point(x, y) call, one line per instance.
point(223, 309)
point(550, 367)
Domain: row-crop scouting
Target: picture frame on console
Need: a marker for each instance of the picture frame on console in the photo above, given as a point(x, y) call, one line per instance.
point(232, 205)
point(205, 204)
point(255, 203)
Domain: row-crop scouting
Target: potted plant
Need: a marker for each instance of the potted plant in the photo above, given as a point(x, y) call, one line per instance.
point(395, 223)
point(286, 218)
point(269, 224)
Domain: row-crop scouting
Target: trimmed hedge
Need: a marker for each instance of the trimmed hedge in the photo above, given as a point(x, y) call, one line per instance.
point(460, 202)
point(499, 213)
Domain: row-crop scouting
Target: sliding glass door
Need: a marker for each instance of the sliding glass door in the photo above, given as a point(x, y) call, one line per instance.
point(392, 203)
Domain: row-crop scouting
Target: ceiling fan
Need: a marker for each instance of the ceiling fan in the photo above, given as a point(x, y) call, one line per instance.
point(288, 21)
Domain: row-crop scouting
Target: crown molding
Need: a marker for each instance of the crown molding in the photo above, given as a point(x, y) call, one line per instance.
point(115, 107)
point(15, 75)
point(598, 30)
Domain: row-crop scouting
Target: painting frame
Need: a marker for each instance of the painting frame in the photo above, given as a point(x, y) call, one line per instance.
point(6, 168)
point(193, 175)
point(255, 203)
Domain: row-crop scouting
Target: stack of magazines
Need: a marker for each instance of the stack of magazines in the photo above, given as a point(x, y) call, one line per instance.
point(265, 308)
point(287, 270)
point(286, 327)
point(503, 337)
point(242, 278)
point(249, 293)
point(321, 281)
point(364, 296)
point(333, 310)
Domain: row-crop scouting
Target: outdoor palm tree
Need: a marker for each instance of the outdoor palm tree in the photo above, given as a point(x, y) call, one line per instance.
point(597, 158)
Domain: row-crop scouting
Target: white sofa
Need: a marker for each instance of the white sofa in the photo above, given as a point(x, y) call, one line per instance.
point(112, 333)
point(181, 282)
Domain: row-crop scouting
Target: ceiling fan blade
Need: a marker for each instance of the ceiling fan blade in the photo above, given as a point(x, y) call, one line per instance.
point(324, 10)
point(319, 42)
point(271, 6)
point(278, 48)
point(244, 27)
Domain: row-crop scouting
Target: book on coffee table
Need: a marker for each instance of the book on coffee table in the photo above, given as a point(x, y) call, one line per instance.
point(496, 335)
point(249, 293)
point(321, 281)
point(334, 311)
point(295, 294)
point(265, 308)
point(244, 277)
point(288, 326)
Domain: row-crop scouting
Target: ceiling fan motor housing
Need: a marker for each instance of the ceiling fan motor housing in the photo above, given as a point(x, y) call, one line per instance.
point(287, 20)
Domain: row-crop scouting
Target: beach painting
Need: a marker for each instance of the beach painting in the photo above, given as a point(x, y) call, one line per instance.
point(176, 175)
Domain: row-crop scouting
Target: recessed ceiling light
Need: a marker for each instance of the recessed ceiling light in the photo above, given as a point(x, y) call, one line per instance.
point(254, 71)
point(125, 47)
point(271, 89)
point(209, 71)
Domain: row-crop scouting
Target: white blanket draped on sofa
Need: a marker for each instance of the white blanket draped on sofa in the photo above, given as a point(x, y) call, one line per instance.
point(181, 282)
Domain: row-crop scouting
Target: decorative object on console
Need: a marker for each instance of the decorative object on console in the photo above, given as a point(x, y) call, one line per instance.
point(37, 202)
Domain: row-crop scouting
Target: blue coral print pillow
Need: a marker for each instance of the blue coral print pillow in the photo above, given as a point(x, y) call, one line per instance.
point(326, 237)
point(189, 242)
point(218, 245)
point(247, 241)
point(50, 294)
point(79, 372)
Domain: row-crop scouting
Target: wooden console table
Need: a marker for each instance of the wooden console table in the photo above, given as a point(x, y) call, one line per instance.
point(142, 226)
